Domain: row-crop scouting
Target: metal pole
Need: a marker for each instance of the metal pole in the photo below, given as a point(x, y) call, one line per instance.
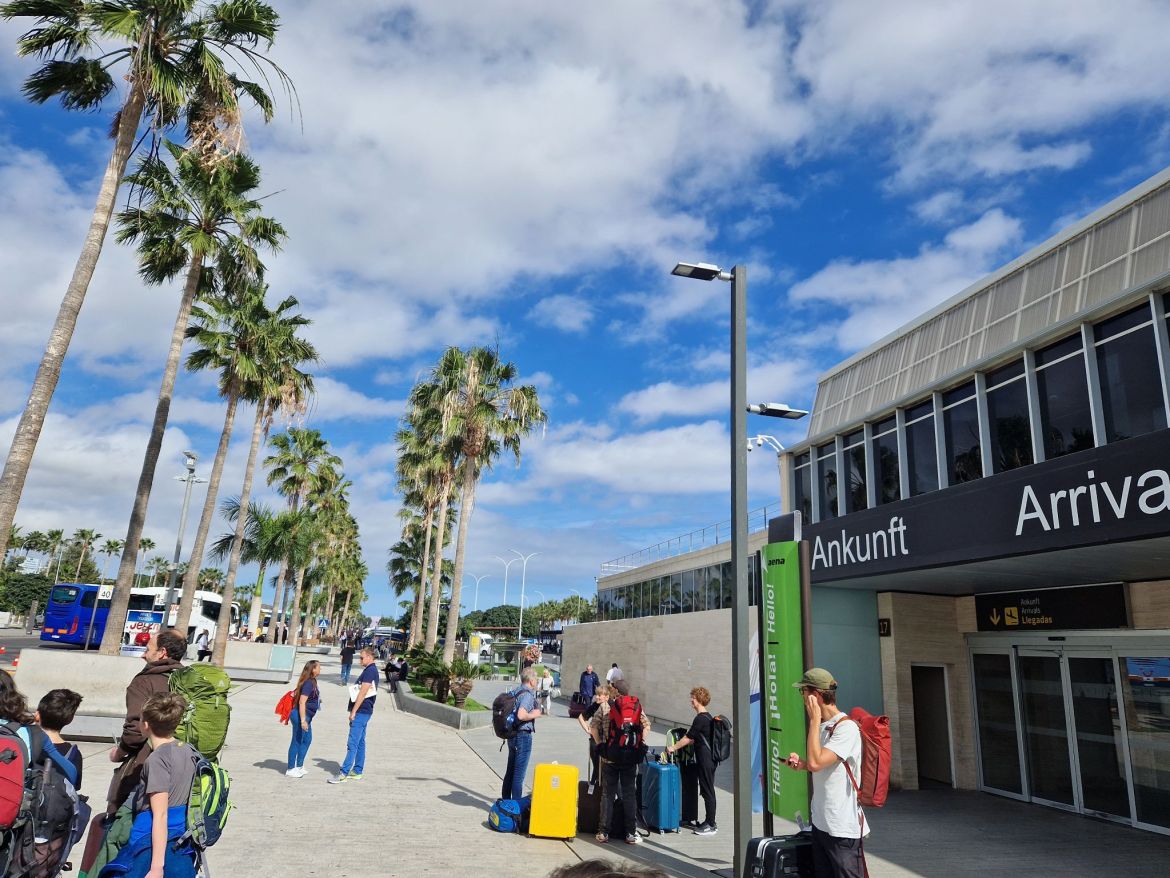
point(190, 480)
point(740, 626)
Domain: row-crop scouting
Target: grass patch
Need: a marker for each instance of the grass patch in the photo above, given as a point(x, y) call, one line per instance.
point(470, 704)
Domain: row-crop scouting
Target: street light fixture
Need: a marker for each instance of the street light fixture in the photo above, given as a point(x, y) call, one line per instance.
point(506, 564)
point(190, 459)
point(477, 579)
point(523, 577)
point(740, 630)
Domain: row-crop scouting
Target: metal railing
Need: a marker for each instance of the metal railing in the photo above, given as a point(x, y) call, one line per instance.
point(711, 535)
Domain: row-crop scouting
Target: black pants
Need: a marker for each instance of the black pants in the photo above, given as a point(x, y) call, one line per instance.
point(705, 768)
point(837, 857)
point(594, 762)
point(204, 655)
point(621, 781)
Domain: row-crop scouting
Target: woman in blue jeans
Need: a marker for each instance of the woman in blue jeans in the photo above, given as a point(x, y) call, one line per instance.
point(307, 703)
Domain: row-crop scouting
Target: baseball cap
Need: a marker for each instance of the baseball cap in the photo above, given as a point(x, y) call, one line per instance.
point(816, 678)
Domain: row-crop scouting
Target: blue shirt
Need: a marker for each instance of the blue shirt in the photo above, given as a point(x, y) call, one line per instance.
point(525, 700)
point(312, 698)
point(369, 675)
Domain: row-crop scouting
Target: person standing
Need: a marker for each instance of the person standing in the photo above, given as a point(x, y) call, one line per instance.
point(164, 655)
point(600, 696)
point(520, 745)
point(361, 708)
point(834, 758)
point(308, 702)
point(589, 683)
point(619, 760)
point(203, 644)
point(703, 770)
point(545, 688)
point(347, 651)
point(615, 674)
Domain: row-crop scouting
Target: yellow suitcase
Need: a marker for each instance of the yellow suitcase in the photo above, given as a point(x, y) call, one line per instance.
point(554, 801)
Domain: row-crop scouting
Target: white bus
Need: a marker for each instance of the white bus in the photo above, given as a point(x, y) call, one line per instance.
point(204, 610)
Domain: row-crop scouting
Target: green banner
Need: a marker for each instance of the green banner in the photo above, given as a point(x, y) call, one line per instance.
point(781, 654)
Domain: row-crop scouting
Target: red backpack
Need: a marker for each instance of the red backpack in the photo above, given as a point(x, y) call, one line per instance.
point(624, 744)
point(876, 748)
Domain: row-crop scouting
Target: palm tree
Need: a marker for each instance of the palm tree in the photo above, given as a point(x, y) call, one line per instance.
point(189, 215)
point(146, 544)
point(486, 413)
point(174, 57)
point(209, 579)
point(84, 539)
point(15, 541)
point(55, 539)
point(301, 465)
point(236, 332)
point(156, 565)
point(109, 549)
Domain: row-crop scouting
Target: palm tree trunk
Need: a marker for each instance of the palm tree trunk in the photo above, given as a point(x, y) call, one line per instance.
point(420, 590)
point(256, 611)
point(190, 582)
point(278, 603)
point(32, 419)
point(466, 505)
point(219, 650)
point(80, 561)
point(295, 622)
point(437, 577)
point(116, 620)
point(345, 613)
point(329, 608)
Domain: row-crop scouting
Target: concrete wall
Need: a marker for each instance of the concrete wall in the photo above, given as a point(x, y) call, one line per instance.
point(927, 629)
point(101, 680)
point(1149, 604)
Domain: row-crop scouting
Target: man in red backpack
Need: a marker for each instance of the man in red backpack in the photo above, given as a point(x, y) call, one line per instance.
point(834, 758)
point(620, 728)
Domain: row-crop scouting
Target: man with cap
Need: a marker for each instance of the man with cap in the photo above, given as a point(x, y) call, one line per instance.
point(834, 758)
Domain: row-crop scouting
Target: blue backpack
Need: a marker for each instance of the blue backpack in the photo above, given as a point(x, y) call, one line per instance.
point(505, 815)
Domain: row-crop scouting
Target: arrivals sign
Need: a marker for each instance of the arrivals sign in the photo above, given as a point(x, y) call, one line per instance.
point(786, 792)
point(1078, 607)
point(1117, 492)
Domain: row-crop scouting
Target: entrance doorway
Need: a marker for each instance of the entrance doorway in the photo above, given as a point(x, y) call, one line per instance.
point(1073, 724)
point(932, 725)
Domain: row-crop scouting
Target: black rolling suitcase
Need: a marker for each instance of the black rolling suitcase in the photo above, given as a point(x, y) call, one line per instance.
point(781, 856)
point(588, 805)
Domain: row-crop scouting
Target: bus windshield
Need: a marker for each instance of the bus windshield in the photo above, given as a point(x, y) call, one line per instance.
point(64, 595)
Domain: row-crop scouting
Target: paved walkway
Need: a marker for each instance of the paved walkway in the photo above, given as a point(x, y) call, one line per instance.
point(422, 809)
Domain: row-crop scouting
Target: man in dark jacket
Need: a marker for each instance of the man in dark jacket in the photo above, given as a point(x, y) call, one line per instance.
point(589, 684)
point(164, 654)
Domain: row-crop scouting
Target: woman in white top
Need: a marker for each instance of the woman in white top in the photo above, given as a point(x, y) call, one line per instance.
point(203, 644)
point(545, 690)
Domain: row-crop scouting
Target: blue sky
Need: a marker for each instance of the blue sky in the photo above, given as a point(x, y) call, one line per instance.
point(526, 174)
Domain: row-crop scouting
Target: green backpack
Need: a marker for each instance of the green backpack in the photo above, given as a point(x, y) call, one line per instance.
point(205, 724)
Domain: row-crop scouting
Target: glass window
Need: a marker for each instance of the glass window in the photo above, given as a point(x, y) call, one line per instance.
point(648, 598)
point(142, 602)
point(728, 588)
point(1065, 420)
point(210, 610)
point(961, 435)
point(885, 460)
point(802, 487)
point(855, 496)
point(88, 598)
point(827, 465)
point(921, 453)
point(63, 595)
point(686, 587)
point(700, 576)
point(1131, 379)
point(996, 714)
point(1007, 415)
point(1147, 705)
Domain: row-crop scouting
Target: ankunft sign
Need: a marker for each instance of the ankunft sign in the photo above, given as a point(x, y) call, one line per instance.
point(1117, 492)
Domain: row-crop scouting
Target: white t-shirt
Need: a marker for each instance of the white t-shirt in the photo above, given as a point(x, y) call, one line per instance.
point(835, 808)
point(614, 674)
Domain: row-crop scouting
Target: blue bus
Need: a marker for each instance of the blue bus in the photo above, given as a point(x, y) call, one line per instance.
point(71, 608)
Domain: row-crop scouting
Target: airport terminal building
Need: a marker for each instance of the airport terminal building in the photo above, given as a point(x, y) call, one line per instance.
point(987, 502)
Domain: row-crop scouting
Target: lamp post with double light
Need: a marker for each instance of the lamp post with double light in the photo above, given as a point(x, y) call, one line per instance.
point(477, 579)
point(506, 564)
point(191, 479)
point(740, 626)
point(523, 578)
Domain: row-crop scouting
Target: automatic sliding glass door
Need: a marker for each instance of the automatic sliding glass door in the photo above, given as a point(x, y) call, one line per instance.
point(1100, 737)
point(1045, 725)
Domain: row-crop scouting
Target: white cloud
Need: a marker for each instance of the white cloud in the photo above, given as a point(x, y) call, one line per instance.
point(668, 399)
point(881, 294)
point(336, 401)
point(566, 313)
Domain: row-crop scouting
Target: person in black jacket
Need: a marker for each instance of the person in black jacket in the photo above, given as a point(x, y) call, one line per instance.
point(700, 735)
point(589, 683)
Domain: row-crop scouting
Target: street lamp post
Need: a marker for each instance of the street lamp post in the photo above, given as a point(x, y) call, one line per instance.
point(740, 630)
point(523, 578)
point(773, 443)
point(506, 564)
point(191, 480)
point(477, 579)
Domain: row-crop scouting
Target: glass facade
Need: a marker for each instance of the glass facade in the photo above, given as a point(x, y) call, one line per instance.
point(1119, 383)
point(885, 461)
point(1007, 416)
point(689, 591)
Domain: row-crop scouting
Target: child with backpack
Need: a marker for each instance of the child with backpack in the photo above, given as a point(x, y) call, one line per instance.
point(702, 770)
point(56, 711)
point(160, 800)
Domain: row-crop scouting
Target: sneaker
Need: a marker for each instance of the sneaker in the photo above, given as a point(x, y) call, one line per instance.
point(690, 824)
point(601, 837)
point(340, 778)
point(633, 838)
point(292, 772)
point(355, 777)
point(707, 829)
point(300, 770)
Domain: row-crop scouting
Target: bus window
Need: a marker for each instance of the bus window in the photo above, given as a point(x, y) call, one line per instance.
point(141, 602)
point(210, 610)
point(87, 601)
point(64, 595)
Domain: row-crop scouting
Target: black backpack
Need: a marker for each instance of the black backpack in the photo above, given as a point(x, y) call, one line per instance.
point(720, 739)
point(504, 714)
point(53, 817)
